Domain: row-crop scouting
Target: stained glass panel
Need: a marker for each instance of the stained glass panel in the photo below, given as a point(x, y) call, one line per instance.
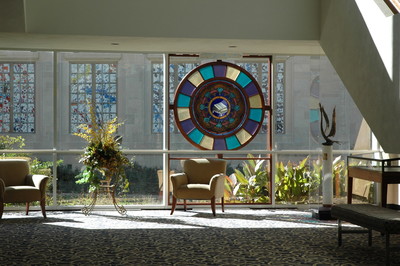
point(177, 72)
point(260, 72)
point(86, 85)
point(280, 98)
point(17, 97)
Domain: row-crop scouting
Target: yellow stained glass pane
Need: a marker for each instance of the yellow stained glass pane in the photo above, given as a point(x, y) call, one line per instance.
point(183, 114)
point(255, 101)
point(207, 142)
point(313, 103)
point(243, 136)
point(232, 73)
point(196, 79)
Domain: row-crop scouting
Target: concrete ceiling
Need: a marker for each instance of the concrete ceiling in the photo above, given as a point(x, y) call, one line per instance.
point(159, 26)
point(25, 41)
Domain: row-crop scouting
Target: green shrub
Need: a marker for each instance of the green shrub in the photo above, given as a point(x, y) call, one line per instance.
point(250, 184)
point(293, 183)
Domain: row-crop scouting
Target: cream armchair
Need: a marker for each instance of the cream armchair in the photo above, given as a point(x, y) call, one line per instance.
point(18, 186)
point(202, 179)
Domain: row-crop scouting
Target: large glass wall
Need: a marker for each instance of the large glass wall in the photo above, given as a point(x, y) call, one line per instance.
point(121, 86)
point(301, 84)
point(48, 91)
point(241, 185)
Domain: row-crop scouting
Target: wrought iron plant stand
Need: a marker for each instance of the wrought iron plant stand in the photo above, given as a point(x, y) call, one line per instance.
point(104, 188)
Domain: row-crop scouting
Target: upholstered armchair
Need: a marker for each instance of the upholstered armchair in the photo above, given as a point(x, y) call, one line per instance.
point(18, 186)
point(202, 179)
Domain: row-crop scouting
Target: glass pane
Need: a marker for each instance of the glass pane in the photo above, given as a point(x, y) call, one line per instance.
point(17, 83)
point(145, 184)
point(105, 102)
point(298, 179)
point(316, 82)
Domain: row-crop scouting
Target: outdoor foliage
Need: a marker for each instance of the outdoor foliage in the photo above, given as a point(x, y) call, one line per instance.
point(36, 166)
point(339, 177)
point(293, 183)
point(251, 183)
point(43, 168)
point(11, 143)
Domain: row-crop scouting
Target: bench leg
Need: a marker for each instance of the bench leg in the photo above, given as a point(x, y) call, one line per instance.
point(339, 232)
point(369, 237)
point(387, 248)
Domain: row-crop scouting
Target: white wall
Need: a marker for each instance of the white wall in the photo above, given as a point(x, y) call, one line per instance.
point(232, 19)
point(347, 42)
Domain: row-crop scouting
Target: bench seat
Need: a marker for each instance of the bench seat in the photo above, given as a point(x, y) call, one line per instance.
point(384, 220)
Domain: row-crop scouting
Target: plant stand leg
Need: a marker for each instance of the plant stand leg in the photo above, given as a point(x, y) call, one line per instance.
point(89, 208)
point(120, 209)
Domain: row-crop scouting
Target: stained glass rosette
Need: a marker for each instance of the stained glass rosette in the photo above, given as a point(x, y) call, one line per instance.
point(219, 106)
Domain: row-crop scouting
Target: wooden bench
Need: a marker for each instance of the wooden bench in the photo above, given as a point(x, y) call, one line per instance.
point(384, 220)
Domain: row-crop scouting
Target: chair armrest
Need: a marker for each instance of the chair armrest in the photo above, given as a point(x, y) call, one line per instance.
point(178, 180)
point(2, 189)
point(217, 182)
point(38, 181)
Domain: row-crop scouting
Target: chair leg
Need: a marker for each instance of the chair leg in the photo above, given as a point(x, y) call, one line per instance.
point(184, 205)
point(173, 205)
point(160, 195)
point(222, 204)
point(213, 205)
point(27, 208)
point(43, 207)
point(1, 209)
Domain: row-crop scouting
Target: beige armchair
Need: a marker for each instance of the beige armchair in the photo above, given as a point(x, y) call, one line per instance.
point(18, 186)
point(202, 179)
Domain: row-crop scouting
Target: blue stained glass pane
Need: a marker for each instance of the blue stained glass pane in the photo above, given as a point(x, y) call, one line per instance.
point(314, 115)
point(207, 72)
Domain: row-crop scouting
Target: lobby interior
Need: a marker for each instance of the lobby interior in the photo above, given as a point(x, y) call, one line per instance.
point(359, 38)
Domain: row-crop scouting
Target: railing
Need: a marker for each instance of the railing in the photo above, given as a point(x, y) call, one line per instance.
point(273, 153)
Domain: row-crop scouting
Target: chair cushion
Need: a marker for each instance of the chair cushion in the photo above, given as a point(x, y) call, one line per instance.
point(200, 171)
point(194, 191)
point(14, 194)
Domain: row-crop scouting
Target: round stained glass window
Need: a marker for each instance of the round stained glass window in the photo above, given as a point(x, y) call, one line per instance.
point(219, 106)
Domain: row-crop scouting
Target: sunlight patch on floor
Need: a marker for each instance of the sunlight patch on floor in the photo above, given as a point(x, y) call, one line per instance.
point(192, 219)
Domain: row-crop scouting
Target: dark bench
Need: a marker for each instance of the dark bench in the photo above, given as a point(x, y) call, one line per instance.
point(384, 220)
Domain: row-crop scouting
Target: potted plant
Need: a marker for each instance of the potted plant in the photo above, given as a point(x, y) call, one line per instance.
point(103, 158)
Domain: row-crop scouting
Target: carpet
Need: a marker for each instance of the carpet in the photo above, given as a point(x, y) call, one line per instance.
point(153, 237)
